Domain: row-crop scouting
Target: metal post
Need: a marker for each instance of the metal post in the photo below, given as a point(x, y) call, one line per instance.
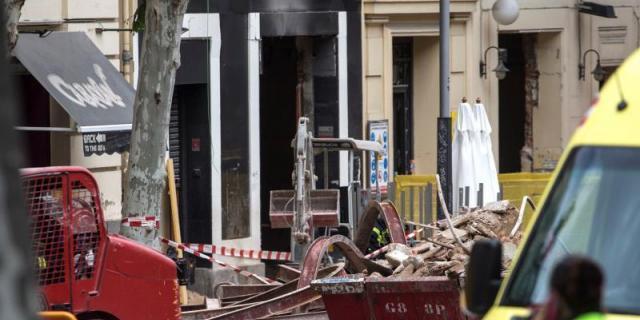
point(421, 211)
point(444, 121)
point(429, 206)
point(350, 195)
point(378, 192)
point(467, 190)
point(402, 203)
point(411, 204)
point(480, 198)
point(325, 163)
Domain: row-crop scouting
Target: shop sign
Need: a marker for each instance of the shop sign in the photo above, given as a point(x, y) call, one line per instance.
point(379, 163)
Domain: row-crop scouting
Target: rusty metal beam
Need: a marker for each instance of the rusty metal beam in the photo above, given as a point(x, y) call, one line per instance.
point(287, 273)
point(273, 306)
point(291, 285)
point(319, 315)
point(234, 290)
point(207, 314)
point(317, 250)
point(368, 220)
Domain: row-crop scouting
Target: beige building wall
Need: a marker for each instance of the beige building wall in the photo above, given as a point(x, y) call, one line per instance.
point(562, 35)
point(85, 16)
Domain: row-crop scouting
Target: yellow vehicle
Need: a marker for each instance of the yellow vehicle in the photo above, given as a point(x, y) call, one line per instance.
point(590, 207)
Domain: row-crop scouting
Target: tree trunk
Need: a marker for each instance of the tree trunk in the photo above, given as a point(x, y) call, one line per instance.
point(13, 9)
point(531, 76)
point(145, 183)
point(17, 286)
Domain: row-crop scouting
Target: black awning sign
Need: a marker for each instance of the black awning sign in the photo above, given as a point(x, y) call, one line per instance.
point(97, 94)
point(105, 142)
point(80, 78)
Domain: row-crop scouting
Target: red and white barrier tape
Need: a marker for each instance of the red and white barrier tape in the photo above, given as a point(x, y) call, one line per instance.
point(240, 253)
point(386, 248)
point(377, 252)
point(141, 222)
point(245, 273)
point(413, 234)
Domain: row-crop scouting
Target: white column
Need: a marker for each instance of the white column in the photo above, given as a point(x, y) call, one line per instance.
point(216, 143)
point(254, 127)
point(343, 97)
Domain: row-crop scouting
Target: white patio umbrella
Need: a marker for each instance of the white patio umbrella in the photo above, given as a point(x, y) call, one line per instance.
point(463, 169)
point(473, 162)
point(485, 164)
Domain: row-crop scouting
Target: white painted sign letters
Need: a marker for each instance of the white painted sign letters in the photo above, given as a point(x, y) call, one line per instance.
point(92, 93)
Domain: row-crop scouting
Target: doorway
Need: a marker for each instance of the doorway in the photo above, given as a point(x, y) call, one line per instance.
point(278, 81)
point(190, 149)
point(190, 144)
point(402, 104)
point(512, 104)
point(36, 113)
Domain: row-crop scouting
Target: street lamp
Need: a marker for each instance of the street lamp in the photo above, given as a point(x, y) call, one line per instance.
point(500, 70)
point(598, 73)
point(505, 12)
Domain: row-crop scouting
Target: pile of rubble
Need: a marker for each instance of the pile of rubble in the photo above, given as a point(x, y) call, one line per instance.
point(441, 254)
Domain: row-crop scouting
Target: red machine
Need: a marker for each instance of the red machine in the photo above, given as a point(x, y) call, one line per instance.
point(80, 268)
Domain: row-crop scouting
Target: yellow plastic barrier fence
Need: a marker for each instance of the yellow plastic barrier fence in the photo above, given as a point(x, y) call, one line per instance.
point(415, 195)
point(57, 315)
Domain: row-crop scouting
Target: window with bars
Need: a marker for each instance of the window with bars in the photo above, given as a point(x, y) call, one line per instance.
point(84, 227)
point(44, 196)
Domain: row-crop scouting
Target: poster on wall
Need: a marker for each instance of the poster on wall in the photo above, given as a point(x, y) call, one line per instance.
point(379, 132)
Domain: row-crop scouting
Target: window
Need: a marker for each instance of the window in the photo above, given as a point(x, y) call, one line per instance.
point(593, 211)
point(84, 227)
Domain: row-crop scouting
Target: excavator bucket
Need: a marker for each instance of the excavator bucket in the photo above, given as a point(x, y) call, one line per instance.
point(324, 207)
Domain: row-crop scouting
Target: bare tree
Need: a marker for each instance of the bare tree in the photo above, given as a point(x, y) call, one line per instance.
point(145, 184)
point(17, 286)
point(13, 9)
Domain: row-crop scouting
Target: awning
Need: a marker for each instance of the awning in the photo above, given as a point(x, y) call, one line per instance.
point(80, 78)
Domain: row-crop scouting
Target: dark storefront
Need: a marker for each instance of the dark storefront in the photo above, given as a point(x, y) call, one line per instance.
point(265, 55)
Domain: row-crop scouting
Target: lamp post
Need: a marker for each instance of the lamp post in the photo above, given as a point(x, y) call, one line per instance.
point(444, 121)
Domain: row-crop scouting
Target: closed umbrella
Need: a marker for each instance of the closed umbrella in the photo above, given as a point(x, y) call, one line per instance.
point(484, 161)
point(463, 168)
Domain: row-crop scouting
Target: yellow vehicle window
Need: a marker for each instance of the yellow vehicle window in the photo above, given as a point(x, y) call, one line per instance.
point(593, 210)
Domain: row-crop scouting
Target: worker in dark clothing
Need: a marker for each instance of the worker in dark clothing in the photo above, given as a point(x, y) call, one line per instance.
point(576, 291)
point(379, 236)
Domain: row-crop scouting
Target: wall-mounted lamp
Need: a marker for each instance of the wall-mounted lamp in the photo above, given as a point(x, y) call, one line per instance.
point(500, 70)
point(598, 73)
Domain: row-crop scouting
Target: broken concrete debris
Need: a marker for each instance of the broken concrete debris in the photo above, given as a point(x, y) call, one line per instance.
point(441, 255)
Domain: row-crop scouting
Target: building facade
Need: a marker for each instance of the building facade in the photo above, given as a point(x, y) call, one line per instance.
point(53, 136)
point(248, 70)
point(544, 46)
